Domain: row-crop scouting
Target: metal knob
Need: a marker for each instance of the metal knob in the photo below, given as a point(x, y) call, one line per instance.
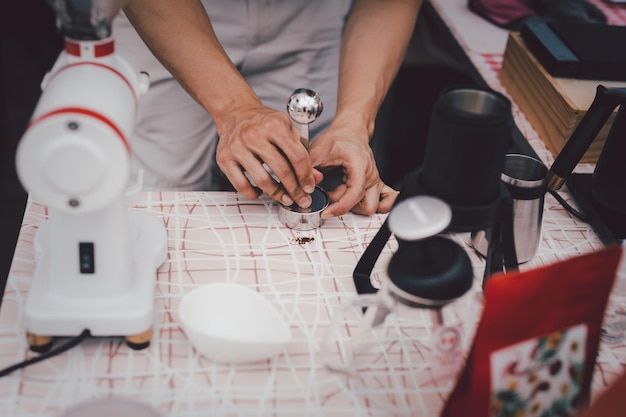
point(304, 107)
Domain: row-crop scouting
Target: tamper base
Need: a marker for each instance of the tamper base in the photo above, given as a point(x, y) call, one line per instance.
point(298, 218)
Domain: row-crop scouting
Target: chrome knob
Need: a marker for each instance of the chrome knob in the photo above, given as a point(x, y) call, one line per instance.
point(304, 106)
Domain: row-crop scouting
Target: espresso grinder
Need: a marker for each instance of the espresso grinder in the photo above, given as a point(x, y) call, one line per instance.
point(95, 260)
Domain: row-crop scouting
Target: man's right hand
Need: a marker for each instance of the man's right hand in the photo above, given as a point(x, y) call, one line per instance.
point(260, 135)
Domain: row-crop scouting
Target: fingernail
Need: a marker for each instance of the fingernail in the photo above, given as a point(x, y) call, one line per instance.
point(308, 189)
point(286, 200)
point(305, 201)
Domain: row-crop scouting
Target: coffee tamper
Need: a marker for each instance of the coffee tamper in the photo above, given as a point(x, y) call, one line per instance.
point(304, 107)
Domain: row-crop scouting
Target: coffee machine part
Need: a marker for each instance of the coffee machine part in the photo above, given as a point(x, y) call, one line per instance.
point(608, 182)
point(603, 105)
point(427, 270)
point(303, 219)
point(419, 217)
point(429, 273)
point(304, 107)
point(470, 132)
point(600, 195)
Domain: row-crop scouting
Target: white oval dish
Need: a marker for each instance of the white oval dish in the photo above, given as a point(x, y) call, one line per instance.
point(232, 323)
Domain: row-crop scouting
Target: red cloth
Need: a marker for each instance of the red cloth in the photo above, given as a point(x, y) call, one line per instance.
point(511, 14)
point(522, 306)
point(503, 12)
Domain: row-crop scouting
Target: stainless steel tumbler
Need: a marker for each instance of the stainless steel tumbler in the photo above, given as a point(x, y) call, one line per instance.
point(525, 179)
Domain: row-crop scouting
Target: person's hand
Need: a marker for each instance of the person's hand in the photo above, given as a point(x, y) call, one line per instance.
point(261, 135)
point(346, 150)
point(377, 199)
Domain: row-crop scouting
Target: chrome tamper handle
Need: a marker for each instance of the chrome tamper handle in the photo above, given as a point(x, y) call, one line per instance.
point(304, 107)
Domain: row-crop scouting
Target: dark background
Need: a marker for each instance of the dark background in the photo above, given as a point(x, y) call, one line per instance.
point(30, 45)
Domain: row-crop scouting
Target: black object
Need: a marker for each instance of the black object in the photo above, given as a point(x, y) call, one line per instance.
point(609, 176)
point(603, 105)
point(86, 256)
point(575, 49)
point(608, 225)
point(470, 132)
point(497, 217)
point(47, 352)
point(469, 135)
point(435, 270)
point(365, 265)
point(572, 10)
point(602, 195)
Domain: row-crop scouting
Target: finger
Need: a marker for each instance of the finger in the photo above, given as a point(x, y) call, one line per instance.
point(266, 180)
point(349, 199)
point(336, 193)
point(262, 176)
point(388, 197)
point(300, 163)
point(285, 170)
point(240, 182)
point(369, 203)
point(245, 181)
point(318, 176)
point(296, 173)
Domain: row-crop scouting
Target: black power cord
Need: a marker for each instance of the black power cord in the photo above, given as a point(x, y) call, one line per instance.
point(571, 210)
point(74, 341)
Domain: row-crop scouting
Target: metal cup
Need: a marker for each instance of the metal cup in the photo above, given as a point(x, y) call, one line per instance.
point(525, 179)
point(298, 218)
